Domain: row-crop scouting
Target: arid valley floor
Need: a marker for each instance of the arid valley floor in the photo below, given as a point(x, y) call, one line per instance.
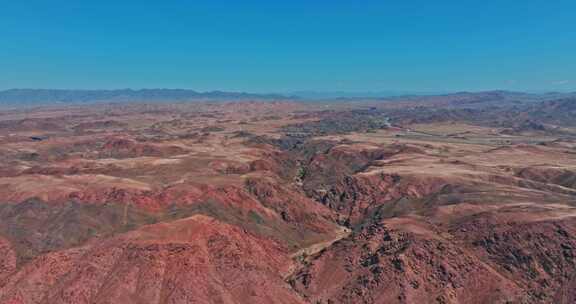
point(464, 198)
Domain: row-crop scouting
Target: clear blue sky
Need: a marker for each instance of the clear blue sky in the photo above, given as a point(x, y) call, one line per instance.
point(278, 46)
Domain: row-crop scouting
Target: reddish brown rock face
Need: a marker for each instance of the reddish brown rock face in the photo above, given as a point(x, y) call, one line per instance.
point(387, 265)
point(7, 259)
point(287, 203)
point(196, 259)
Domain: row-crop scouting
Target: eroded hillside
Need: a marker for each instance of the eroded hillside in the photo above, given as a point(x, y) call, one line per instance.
point(284, 202)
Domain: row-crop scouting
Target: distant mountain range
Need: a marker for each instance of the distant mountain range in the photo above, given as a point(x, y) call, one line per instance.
point(404, 95)
point(481, 99)
point(50, 96)
point(36, 97)
point(356, 94)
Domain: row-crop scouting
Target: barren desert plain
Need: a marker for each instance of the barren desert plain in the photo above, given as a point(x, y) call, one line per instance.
point(464, 198)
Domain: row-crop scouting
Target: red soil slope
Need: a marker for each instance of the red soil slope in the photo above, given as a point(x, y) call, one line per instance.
point(194, 260)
